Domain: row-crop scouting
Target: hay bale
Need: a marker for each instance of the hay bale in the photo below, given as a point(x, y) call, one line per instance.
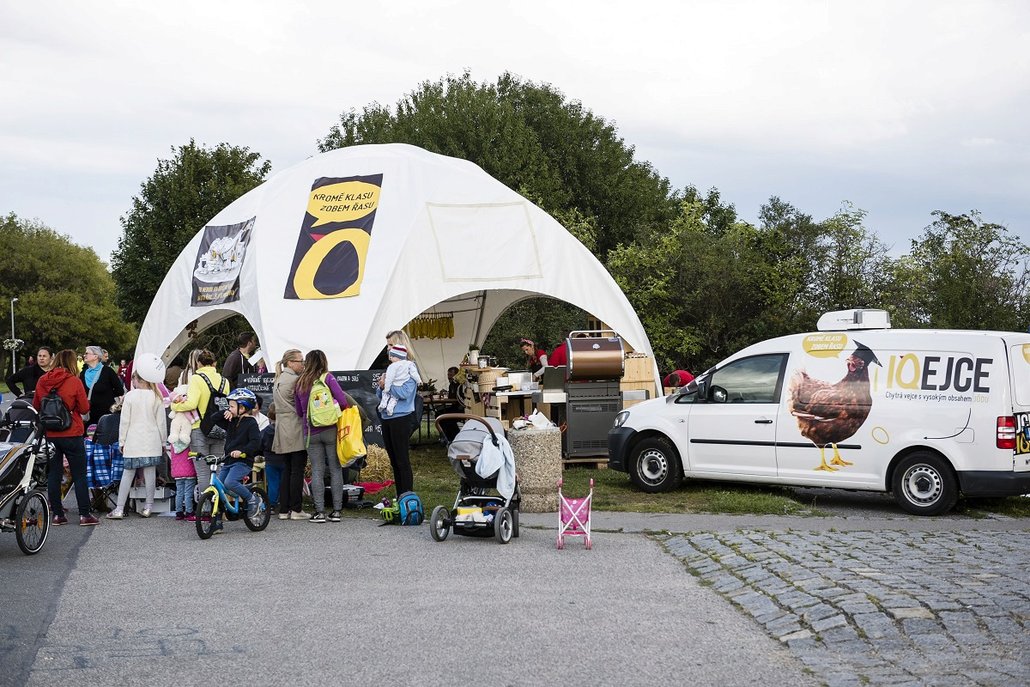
point(378, 467)
point(538, 465)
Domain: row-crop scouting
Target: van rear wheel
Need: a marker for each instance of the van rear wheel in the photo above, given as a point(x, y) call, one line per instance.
point(654, 465)
point(924, 484)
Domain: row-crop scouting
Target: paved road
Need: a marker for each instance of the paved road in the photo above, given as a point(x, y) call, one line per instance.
point(147, 603)
point(868, 596)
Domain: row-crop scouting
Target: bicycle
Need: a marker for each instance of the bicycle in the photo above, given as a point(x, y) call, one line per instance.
point(215, 499)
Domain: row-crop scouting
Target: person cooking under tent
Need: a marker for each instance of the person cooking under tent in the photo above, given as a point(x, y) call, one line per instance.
point(536, 358)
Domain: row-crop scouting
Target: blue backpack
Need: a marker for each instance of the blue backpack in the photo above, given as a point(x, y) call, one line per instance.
point(409, 509)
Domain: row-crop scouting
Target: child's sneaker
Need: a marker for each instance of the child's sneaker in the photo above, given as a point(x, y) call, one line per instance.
point(116, 514)
point(317, 517)
point(253, 507)
point(217, 528)
point(180, 516)
point(284, 516)
point(88, 520)
point(334, 516)
point(299, 515)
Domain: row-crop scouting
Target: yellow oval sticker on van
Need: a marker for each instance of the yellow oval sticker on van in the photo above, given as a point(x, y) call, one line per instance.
point(1026, 352)
point(825, 345)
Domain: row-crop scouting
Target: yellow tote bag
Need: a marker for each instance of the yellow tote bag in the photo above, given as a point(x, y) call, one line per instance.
point(350, 440)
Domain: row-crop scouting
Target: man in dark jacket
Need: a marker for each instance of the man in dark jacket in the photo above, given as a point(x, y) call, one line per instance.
point(238, 362)
point(30, 374)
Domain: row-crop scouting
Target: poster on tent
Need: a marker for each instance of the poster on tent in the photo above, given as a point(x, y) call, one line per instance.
point(329, 260)
point(216, 272)
point(360, 385)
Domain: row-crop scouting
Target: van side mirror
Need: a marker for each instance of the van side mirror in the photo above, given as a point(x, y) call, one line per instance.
point(717, 394)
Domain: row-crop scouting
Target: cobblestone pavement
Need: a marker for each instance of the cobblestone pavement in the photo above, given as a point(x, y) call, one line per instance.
point(879, 607)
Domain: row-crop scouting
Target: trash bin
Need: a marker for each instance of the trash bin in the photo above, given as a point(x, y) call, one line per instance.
point(538, 465)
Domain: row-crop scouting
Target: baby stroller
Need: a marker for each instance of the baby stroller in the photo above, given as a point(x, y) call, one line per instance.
point(476, 512)
point(24, 451)
point(574, 517)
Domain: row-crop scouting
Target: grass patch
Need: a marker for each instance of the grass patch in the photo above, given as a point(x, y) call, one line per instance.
point(1012, 506)
point(437, 484)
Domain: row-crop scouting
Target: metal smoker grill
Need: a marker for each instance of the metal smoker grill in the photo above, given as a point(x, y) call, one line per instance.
point(593, 394)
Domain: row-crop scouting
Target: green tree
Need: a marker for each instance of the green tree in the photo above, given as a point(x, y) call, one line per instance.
point(182, 195)
point(530, 137)
point(698, 289)
point(964, 273)
point(546, 321)
point(853, 268)
point(66, 296)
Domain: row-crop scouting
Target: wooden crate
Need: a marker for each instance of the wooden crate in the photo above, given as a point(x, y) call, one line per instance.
point(638, 368)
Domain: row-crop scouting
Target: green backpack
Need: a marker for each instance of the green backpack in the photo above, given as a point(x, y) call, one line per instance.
point(323, 411)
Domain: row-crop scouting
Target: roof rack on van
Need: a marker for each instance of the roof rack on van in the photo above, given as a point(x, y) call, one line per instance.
point(857, 318)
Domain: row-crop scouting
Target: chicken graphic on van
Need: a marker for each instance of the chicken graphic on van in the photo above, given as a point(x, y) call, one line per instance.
point(828, 413)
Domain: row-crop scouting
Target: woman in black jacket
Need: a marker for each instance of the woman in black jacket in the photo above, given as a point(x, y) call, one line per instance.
point(101, 382)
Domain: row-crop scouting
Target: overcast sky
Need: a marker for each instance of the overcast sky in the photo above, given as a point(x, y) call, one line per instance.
point(899, 107)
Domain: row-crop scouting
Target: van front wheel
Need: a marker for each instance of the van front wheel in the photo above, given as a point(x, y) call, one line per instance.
point(654, 466)
point(924, 484)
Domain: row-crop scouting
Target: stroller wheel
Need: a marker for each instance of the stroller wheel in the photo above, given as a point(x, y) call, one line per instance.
point(438, 526)
point(33, 522)
point(589, 544)
point(503, 525)
point(515, 522)
point(560, 544)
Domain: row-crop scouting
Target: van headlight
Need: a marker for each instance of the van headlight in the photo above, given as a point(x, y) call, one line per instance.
point(621, 418)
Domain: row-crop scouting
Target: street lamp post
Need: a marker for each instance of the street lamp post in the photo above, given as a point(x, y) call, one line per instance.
point(14, 363)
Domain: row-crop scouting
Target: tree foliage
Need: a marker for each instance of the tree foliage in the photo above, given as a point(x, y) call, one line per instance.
point(530, 137)
point(66, 296)
point(964, 273)
point(545, 321)
point(182, 195)
point(708, 284)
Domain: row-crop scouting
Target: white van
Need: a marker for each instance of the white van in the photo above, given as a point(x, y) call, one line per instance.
point(923, 414)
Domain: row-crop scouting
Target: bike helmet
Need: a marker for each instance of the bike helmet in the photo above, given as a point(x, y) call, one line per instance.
point(244, 397)
point(149, 367)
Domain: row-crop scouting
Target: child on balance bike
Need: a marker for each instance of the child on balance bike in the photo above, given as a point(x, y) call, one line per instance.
point(242, 444)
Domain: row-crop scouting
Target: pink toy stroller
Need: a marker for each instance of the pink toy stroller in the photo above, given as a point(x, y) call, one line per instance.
point(574, 517)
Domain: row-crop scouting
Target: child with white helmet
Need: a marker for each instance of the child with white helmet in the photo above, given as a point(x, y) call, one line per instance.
point(242, 444)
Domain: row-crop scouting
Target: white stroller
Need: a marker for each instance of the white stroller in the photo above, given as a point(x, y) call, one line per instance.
point(477, 512)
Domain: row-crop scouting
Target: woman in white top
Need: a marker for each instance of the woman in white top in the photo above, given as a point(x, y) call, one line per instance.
point(142, 434)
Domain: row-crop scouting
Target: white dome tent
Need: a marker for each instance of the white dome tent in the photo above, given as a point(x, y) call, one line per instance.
point(334, 252)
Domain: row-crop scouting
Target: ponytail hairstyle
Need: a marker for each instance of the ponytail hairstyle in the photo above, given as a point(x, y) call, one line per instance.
point(192, 365)
point(315, 365)
point(281, 365)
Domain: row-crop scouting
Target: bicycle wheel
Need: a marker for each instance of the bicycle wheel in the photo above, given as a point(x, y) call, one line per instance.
point(260, 520)
point(204, 513)
point(33, 522)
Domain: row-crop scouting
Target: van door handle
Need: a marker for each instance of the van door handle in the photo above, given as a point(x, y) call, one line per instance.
point(763, 422)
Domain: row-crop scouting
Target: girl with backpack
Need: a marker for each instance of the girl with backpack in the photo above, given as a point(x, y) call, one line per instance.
point(63, 380)
point(142, 433)
point(319, 400)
